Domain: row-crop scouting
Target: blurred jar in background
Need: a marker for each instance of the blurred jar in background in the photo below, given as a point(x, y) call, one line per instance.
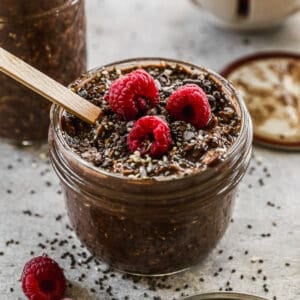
point(51, 36)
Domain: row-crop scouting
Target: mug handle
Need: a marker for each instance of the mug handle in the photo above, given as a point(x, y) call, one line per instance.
point(196, 2)
point(295, 9)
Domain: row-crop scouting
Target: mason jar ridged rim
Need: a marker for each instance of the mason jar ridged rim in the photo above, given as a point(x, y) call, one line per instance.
point(234, 159)
point(49, 12)
point(223, 296)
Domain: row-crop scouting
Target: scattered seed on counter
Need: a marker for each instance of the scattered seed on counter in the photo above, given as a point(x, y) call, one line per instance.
point(31, 214)
point(264, 235)
point(58, 217)
point(42, 246)
point(11, 242)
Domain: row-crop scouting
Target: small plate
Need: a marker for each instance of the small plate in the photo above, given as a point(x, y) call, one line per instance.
point(269, 82)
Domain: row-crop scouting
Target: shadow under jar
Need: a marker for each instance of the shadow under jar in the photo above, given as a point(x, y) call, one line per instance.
point(49, 35)
point(153, 226)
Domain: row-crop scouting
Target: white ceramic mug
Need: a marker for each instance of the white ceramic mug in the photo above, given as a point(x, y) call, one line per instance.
point(250, 14)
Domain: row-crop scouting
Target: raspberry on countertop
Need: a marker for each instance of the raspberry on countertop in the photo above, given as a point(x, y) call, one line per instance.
point(43, 279)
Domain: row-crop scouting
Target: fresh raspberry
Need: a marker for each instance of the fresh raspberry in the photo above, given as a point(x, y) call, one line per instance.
point(150, 135)
point(133, 94)
point(190, 104)
point(43, 279)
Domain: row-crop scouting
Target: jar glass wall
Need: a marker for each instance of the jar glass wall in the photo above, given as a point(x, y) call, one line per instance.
point(147, 226)
point(50, 35)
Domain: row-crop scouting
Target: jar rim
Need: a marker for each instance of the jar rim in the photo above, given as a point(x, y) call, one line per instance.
point(56, 112)
point(223, 296)
point(49, 12)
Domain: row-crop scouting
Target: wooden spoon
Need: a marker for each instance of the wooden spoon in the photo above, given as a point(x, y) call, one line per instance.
point(48, 88)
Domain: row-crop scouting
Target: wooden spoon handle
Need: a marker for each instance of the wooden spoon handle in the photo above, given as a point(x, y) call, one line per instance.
point(48, 88)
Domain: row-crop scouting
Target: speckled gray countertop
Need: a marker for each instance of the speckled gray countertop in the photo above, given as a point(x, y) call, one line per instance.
point(260, 252)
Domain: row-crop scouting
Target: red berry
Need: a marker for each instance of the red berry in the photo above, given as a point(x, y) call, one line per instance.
point(132, 94)
point(150, 135)
point(190, 104)
point(43, 279)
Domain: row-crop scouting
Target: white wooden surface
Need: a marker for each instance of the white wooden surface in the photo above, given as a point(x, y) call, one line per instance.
point(120, 29)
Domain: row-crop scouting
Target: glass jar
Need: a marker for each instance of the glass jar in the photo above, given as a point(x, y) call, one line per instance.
point(223, 296)
point(50, 35)
point(147, 226)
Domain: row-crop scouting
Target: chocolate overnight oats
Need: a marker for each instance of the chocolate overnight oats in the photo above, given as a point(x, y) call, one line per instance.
point(192, 149)
point(49, 35)
point(150, 189)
